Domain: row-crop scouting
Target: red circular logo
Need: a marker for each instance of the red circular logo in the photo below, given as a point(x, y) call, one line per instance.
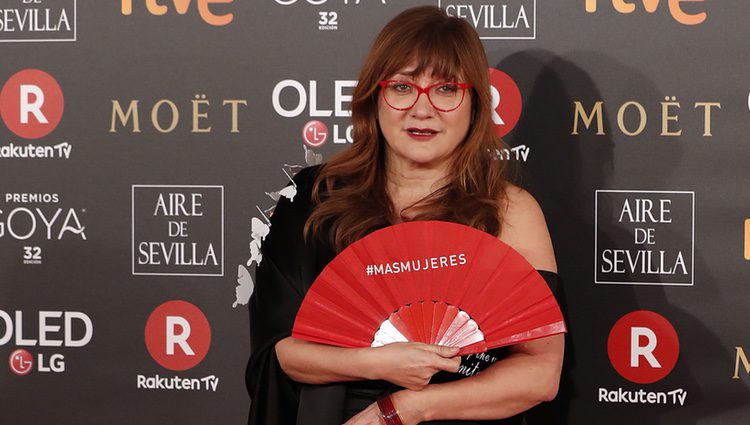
point(315, 133)
point(643, 347)
point(506, 102)
point(21, 362)
point(178, 335)
point(31, 103)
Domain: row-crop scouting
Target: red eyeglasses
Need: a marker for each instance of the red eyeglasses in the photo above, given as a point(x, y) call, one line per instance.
point(403, 95)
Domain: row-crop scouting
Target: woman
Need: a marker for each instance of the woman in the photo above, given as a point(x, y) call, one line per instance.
point(423, 148)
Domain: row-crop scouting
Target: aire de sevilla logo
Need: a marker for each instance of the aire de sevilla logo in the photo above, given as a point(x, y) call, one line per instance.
point(178, 335)
point(506, 102)
point(643, 347)
point(31, 103)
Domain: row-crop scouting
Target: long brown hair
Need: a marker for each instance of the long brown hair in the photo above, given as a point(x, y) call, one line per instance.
point(350, 190)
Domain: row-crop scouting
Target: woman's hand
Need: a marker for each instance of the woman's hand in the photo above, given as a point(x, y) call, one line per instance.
point(412, 364)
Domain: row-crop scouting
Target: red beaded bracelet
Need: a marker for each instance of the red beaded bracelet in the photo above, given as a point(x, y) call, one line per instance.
point(388, 411)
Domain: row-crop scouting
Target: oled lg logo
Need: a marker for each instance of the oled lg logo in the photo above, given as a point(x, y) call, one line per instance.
point(291, 98)
point(675, 9)
point(31, 106)
point(205, 9)
point(643, 348)
point(70, 329)
point(178, 337)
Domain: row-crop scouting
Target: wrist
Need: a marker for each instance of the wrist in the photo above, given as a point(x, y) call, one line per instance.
point(412, 406)
point(368, 364)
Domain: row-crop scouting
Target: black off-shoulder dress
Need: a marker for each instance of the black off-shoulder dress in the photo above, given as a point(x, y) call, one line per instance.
point(289, 266)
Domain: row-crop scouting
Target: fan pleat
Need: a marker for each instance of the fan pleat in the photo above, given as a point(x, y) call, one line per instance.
point(432, 282)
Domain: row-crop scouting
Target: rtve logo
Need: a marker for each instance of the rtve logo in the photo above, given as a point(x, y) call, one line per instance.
point(31, 103)
point(675, 9)
point(643, 347)
point(182, 6)
point(178, 335)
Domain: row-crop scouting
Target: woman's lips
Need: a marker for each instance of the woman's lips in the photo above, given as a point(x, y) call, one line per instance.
point(421, 134)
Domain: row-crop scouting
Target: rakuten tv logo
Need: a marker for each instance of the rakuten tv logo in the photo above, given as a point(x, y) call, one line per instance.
point(31, 103)
point(506, 102)
point(178, 335)
point(643, 347)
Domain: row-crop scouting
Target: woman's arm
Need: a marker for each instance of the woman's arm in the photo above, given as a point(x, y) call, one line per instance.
point(409, 365)
point(527, 377)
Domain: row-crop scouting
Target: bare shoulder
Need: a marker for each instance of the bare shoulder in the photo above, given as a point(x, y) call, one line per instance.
point(525, 229)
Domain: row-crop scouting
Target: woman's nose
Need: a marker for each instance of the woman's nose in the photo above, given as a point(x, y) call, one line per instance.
point(423, 108)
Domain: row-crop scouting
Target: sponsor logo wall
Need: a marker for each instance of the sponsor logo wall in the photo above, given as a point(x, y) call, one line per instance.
point(144, 145)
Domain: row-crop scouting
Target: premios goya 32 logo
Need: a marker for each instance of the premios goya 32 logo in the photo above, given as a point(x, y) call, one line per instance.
point(33, 220)
point(178, 230)
point(55, 331)
point(328, 11)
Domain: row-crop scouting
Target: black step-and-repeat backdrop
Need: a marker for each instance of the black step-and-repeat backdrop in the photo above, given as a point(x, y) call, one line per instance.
point(144, 144)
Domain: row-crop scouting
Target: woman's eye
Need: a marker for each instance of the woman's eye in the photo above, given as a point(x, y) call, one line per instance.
point(401, 87)
point(448, 88)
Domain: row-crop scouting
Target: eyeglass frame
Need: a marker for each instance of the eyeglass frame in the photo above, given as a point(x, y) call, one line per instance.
point(426, 91)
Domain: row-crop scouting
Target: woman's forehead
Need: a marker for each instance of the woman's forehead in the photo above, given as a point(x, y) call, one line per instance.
point(414, 72)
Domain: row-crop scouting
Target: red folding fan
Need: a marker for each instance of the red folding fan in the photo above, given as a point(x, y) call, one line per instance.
point(428, 281)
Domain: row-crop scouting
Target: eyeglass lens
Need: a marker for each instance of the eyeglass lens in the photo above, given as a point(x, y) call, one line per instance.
point(444, 96)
